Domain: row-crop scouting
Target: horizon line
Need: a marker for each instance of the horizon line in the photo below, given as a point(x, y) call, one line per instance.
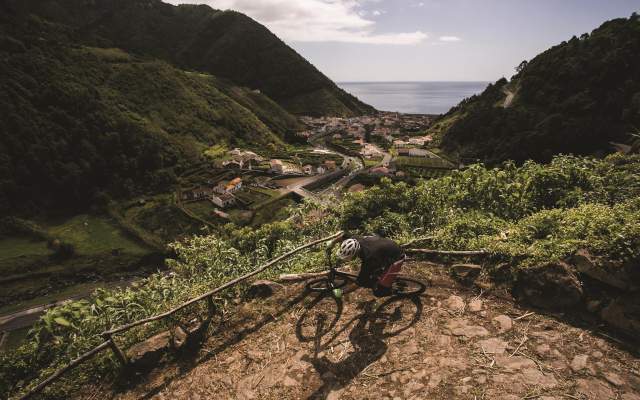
point(414, 81)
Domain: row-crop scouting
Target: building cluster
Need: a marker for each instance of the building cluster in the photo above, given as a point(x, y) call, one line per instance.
point(326, 166)
point(242, 159)
point(280, 167)
point(395, 129)
point(283, 167)
point(220, 194)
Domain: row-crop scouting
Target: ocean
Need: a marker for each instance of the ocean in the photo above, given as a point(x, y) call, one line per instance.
point(413, 97)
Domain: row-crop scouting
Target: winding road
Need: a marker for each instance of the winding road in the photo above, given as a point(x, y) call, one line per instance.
point(27, 317)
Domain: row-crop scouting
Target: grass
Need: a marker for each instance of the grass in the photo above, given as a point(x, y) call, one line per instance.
point(202, 209)
point(267, 192)
point(422, 162)
point(13, 247)
point(112, 55)
point(438, 129)
point(92, 235)
point(427, 173)
point(372, 162)
point(150, 219)
point(36, 278)
point(273, 211)
point(15, 338)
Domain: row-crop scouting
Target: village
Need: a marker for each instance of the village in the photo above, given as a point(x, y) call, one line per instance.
point(343, 154)
point(390, 144)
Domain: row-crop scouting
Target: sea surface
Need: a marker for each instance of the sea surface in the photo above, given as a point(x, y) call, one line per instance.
point(413, 97)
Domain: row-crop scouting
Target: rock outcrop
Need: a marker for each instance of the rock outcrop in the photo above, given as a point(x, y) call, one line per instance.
point(550, 286)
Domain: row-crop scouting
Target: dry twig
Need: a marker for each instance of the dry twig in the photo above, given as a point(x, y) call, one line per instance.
point(524, 316)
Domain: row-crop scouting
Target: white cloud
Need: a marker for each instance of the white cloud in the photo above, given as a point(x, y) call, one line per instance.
point(316, 20)
point(449, 39)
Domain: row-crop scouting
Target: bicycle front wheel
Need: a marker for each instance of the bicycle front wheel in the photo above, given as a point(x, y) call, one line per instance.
point(407, 287)
point(326, 285)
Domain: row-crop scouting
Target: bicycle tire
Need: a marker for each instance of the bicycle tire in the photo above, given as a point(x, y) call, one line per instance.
point(322, 285)
point(404, 286)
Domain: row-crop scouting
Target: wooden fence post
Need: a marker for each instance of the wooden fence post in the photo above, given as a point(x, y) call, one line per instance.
point(211, 306)
point(120, 355)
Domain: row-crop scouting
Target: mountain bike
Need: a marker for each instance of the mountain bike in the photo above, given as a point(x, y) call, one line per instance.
point(336, 280)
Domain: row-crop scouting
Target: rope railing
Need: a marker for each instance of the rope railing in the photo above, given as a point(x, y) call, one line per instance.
point(108, 335)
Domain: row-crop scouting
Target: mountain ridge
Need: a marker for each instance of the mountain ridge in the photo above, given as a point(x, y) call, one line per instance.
point(575, 97)
point(227, 44)
point(81, 124)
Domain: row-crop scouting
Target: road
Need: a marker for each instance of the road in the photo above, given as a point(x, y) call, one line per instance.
point(386, 160)
point(27, 317)
point(353, 164)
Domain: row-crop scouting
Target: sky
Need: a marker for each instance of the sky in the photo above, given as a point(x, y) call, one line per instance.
point(424, 40)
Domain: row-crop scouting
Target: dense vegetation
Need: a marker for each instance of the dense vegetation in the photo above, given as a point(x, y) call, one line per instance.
point(524, 215)
point(80, 124)
point(575, 98)
point(227, 44)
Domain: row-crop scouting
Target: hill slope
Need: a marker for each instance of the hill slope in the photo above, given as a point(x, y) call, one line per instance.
point(79, 122)
point(450, 343)
point(225, 43)
point(573, 98)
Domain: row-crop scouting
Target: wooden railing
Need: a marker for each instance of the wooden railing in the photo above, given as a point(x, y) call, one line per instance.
point(109, 343)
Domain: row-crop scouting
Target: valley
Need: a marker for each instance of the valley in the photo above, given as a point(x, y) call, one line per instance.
point(236, 186)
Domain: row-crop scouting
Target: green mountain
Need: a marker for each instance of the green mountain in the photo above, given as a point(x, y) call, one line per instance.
point(80, 123)
point(576, 97)
point(224, 43)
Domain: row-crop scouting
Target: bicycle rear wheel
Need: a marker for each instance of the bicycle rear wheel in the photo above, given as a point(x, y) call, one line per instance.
point(403, 286)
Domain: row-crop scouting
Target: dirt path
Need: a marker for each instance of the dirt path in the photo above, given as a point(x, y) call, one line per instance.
point(510, 96)
point(451, 342)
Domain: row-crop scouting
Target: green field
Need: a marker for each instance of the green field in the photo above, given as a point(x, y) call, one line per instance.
point(372, 162)
point(202, 209)
point(422, 162)
point(429, 173)
point(32, 275)
point(15, 338)
point(13, 247)
point(159, 220)
point(273, 211)
point(93, 235)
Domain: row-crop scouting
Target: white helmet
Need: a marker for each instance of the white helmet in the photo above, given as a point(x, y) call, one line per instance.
point(348, 249)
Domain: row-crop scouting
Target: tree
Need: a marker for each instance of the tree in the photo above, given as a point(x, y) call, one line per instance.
point(522, 66)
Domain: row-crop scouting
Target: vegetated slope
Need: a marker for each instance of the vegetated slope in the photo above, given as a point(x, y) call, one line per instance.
point(79, 122)
point(225, 43)
point(454, 342)
point(532, 219)
point(573, 98)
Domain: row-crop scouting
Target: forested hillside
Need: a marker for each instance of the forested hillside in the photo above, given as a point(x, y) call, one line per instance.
point(576, 97)
point(227, 44)
point(80, 124)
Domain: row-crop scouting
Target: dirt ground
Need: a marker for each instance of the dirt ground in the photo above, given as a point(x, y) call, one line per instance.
point(452, 342)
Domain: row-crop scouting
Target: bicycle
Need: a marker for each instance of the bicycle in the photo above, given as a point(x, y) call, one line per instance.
point(336, 280)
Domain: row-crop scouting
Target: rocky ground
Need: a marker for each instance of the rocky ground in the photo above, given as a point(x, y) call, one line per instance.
point(451, 342)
